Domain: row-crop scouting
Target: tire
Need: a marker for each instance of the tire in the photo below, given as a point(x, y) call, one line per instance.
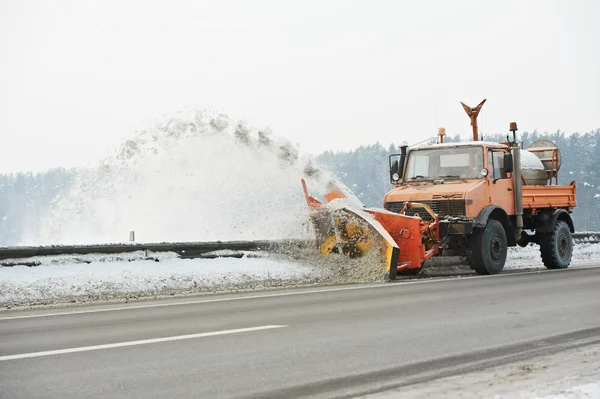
point(489, 249)
point(410, 272)
point(469, 257)
point(557, 247)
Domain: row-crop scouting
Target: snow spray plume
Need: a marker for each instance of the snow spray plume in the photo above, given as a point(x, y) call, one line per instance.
point(193, 177)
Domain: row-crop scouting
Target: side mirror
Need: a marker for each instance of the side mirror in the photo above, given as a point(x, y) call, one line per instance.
point(508, 163)
point(395, 172)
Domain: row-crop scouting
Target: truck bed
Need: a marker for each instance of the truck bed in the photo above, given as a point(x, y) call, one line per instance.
point(538, 197)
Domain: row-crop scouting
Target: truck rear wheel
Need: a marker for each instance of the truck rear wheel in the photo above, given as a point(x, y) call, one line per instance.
point(489, 249)
point(557, 247)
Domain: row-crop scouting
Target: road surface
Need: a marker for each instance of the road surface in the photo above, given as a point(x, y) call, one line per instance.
point(322, 342)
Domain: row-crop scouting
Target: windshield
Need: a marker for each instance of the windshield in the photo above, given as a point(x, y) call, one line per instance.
point(445, 163)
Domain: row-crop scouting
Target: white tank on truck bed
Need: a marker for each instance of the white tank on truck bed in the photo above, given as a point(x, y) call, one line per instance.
point(542, 151)
point(533, 169)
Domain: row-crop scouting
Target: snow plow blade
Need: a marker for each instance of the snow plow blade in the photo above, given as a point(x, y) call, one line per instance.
point(345, 226)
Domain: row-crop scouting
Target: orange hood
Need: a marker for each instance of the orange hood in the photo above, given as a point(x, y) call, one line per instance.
point(470, 191)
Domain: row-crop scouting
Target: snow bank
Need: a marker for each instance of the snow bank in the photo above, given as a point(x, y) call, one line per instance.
point(78, 278)
point(570, 374)
point(529, 256)
point(100, 277)
point(584, 391)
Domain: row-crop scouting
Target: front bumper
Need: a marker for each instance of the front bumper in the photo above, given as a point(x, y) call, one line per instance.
point(460, 227)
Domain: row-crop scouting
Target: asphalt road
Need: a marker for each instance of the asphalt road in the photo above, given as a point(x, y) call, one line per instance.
point(322, 342)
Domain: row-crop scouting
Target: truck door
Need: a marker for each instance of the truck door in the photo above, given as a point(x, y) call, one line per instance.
point(501, 185)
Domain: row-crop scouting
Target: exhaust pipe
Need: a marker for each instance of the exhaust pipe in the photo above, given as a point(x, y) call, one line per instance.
point(402, 160)
point(397, 167)
point(518, 182)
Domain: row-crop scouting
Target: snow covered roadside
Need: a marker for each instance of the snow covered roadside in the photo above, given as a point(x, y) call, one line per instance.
point(106, 277)
point(77, 278)
point(572, 374)
point(530, 257)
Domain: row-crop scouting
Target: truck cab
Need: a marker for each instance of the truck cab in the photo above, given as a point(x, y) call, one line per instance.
point(457, 181)
point(472, 188)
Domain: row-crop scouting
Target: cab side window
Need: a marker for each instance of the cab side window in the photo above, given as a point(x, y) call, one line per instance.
point(498, 157)
point(490, 165)
point(496, 164)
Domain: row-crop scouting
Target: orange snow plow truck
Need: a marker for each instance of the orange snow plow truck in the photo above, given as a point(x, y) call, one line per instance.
point(470, 199)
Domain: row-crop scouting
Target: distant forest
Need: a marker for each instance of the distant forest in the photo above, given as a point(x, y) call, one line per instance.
point(26, 197)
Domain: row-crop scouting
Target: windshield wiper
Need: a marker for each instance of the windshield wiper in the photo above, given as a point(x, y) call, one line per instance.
point(452, 177)
point(419, 177)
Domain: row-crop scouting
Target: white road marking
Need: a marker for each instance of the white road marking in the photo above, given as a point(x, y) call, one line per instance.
point(281, 294)
point(135, 343)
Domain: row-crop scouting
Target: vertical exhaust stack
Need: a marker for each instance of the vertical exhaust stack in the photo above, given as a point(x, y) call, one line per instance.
point(473, 113)
point(518, 183)
point(397, 167)
point(402, 159)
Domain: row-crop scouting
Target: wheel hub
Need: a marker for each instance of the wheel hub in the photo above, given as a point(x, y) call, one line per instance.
point(496, 247)
point(563, 245)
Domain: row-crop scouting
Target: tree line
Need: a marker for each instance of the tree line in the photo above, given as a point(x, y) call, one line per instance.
point(25, 198)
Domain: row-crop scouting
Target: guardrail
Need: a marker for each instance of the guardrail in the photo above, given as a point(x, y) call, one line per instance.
point(190, 249)
point(184, 249)
point(583, 237)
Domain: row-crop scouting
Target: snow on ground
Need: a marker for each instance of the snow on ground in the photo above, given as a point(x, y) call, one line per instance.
point(530, 256)
point(74, 278)
point(591, 390)
point(104, 277)
point(570, 374)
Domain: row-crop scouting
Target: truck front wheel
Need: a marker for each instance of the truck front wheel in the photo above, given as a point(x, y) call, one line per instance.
point(557, 247)
point(489, 249)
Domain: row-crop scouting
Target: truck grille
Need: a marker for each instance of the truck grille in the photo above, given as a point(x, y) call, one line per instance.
point(440, 207)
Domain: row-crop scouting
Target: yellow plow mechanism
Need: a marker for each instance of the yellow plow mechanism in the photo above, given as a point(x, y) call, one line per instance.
point(400, 243)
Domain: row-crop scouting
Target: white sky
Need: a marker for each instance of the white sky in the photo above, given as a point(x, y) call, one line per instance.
point(76, 77)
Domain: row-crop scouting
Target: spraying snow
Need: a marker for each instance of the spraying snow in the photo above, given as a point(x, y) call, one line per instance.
point(194, 177)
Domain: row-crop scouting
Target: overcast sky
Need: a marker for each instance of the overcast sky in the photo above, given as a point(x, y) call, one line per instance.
point(76, 77)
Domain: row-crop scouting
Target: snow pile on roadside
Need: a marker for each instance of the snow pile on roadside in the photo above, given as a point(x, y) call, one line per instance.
point(585, 391)
point(98, 277)
point(89, 258)
point(530, 257)
point(74, 278)
point(570, 374)
point(573, 374)
point(68, 278)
